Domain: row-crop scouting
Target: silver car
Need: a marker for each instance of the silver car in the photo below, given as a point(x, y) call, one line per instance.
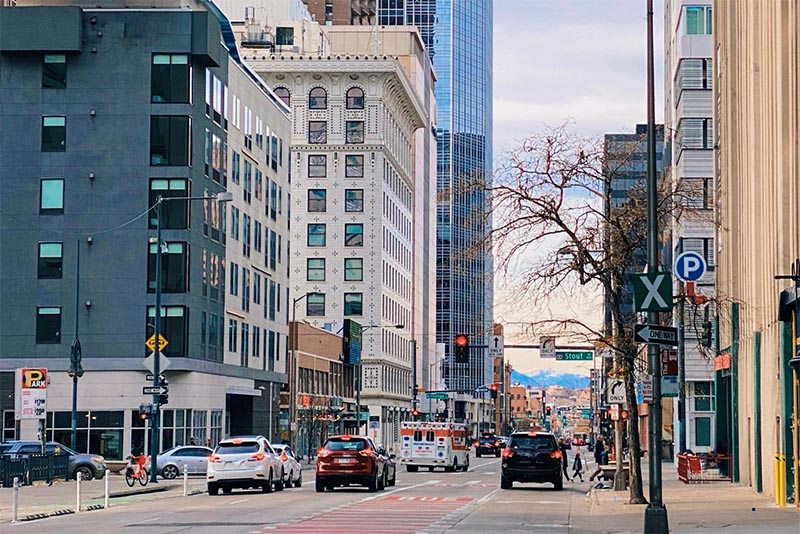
point(194, 457)
point(292, 468)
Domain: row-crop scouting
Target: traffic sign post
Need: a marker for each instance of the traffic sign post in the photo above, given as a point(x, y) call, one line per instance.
point(651, 333)
point(547, 347)
point(437, 395)
point(155, 390)
point(574, 355)
point(652, 292)
point(496, 346)
point(615, 391)
point(151, 343)
point(690, 266)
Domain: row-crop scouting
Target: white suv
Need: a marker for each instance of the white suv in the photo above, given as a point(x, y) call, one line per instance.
point(244, 462)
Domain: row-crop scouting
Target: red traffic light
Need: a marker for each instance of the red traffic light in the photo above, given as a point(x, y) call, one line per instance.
point(415, 412)
point(493, 387)
point(462, 340)
point(623, 414)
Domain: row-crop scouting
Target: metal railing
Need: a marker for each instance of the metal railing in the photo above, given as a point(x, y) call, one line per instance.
point(35, 467)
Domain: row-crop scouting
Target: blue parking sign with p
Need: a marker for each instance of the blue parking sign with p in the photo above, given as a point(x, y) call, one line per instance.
point(690, 266)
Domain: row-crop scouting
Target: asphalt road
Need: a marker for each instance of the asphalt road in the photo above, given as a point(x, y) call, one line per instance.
point(422, 502)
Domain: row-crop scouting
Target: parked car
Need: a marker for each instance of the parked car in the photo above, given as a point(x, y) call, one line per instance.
point(88, 465)
point(391, 466)
point(489, 444)
point(244, 462)
point(292, 467)
point(195, 458)
point(350, 460)
point(531, 457)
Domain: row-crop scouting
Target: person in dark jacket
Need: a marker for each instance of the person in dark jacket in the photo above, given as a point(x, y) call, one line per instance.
point(599, 448)
point(577, 467)
point(564, 460)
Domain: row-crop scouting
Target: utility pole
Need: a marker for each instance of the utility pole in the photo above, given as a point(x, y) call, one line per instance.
point(655, 515)
point(75, 368)
point(154, 429)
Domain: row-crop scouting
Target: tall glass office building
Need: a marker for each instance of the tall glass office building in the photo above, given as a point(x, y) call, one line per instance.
point(458, 35)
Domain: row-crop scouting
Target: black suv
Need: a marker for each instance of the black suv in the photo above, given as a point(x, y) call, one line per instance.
point(531, 457)
point(488, 444)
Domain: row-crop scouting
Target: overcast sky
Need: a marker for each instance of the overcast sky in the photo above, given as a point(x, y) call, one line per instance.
point(581, 61)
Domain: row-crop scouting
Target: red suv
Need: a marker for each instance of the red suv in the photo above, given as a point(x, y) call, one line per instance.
point(348, 460)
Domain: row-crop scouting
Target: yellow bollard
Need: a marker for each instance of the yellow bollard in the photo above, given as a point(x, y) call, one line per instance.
point(780, 480)
point(777, 477)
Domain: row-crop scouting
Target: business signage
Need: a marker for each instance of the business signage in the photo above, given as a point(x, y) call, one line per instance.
point(33, 394)
point(351, 342)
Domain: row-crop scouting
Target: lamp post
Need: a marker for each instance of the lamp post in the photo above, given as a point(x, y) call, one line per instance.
point(358, 374)
point(293, 368)
point(221, 197)
point(75, 368)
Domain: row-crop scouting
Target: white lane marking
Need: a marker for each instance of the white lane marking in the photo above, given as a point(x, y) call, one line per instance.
point(486, 497)
point(531, 502)
point(148, 520)
point(428, 483)
point(472, 482)
point(485, 464)
point(239, 501)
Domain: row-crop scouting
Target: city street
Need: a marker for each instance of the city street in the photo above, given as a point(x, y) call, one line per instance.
point(426, 503)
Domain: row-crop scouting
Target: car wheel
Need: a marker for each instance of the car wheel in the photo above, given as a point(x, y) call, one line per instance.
point(85, 471)
point(452, 468)
point(213, 489)
point(506, 483)
point(279, 485)
point(477, 454)
point(412, 468)
point(393, 480)
point(227, 491)
point(382, 482)
point(497, 454)
point(299, 481)
point(558, 483)
point(465, 467)
point(319, 486)
point(372, 486)
point(267, 488)
point(169, 472)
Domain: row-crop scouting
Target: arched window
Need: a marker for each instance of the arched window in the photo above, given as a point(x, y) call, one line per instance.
point(355, 98)
point(318, 98)
point(284, 94)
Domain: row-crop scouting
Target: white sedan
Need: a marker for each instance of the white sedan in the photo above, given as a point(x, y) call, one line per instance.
point(292, 468)
point(195, 458)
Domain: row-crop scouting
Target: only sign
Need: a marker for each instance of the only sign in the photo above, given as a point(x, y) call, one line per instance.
point(690, 266)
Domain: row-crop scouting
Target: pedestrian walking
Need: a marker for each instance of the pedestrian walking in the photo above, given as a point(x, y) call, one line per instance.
point(577, 467)
point(564, 460)
point(599, 449)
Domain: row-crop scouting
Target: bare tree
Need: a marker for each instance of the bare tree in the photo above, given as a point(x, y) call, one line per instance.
point(554, 199)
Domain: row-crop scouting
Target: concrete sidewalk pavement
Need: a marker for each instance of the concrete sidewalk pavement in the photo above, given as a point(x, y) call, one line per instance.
point(713, 507)
point(62, 495)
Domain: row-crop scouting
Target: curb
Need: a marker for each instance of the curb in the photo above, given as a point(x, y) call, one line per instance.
point(68, 511)
point(143, 491)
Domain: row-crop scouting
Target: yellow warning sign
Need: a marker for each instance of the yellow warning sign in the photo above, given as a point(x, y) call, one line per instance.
point(151, 343)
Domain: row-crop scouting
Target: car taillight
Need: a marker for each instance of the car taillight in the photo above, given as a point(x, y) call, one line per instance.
point(322, 453)
point(366, 452)
point(555, 454)
point(477, 443)
point(496, 443)
point(258, 456)
point(507, 453)
point(213, 459)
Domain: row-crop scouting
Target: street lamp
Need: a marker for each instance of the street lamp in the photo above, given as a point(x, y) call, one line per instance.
point(358, 374)
point(293, 367)
point(223, 196)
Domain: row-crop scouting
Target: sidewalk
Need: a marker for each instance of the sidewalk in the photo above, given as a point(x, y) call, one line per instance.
point(714, 507)
point(62, 495)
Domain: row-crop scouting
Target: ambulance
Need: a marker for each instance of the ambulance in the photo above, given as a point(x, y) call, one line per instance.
point(432, 445)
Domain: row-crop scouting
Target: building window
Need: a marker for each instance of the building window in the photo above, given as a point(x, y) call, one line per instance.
point(354, 166)
point(355, 132)
point(174, 327)
point(702, 431)
point(703, 393)
point(353, 269)
point(317, 132)
point(316, 200)
point(174, 214)
point(284, 94)
point(246, 226)
point(54, 71)
point(284, 36)
point(315, 269)
point(315, 305)
point(354, 235)
point(354, 200)
point(174, 268)
point(257, 236)
point(169, 140)
point(235, 223)
point(317, 166)
point(51, 196)
point(318, 98)
point(273, 250)
point(698, 20)
point(355, 98)
point(233, 330)
point(54, 134)
point(316, 235)
point(48, 325)
point(353, 304)
point(169, 78)
point(236, 167)
point(247, 186)
point(50, 260)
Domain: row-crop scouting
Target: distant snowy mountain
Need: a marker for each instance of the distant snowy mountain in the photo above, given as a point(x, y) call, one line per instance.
point(549, 377)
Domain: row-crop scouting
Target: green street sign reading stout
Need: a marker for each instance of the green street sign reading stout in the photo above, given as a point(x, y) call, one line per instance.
point(437, 395)
point(574, 355)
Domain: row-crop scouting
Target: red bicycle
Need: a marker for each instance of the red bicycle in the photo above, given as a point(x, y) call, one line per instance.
point(136, 471)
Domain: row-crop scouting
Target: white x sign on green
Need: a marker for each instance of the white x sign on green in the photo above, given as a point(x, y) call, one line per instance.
point(652, 292)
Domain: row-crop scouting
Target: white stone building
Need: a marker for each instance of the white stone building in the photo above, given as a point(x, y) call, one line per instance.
point(688, 156)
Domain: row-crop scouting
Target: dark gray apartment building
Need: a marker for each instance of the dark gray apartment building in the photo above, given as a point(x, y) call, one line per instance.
point(102, 110)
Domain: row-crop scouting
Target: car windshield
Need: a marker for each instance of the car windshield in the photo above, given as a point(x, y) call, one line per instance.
point(487, 440)
point(5, 447)
point(341, 444)
point(230, 447)
point(533, 442)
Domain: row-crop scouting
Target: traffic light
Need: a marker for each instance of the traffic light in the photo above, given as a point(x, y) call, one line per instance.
point(163, 399)
point(146, 411)
point(493, 390)
point(706, 338)
point(415, 413)
point(623, 414)
point(548, 411)
point(462, 348)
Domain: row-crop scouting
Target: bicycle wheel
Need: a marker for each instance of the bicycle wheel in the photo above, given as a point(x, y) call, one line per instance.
point(129, 478)
point(143, 478)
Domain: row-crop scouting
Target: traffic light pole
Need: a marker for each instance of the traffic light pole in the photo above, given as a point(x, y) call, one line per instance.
point(157, 351)
point(655, 516)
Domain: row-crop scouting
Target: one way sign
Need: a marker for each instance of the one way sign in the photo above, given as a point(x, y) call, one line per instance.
point(661, 335)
